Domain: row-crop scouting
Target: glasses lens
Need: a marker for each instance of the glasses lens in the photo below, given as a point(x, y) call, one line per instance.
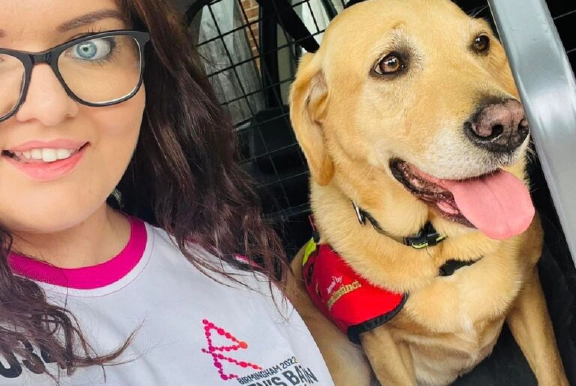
point(11, 81)
point(102, 70)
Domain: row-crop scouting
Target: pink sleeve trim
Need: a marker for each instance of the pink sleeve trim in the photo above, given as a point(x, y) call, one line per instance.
point(92, 277)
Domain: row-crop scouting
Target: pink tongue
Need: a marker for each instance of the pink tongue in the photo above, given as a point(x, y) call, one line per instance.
point(499, 205)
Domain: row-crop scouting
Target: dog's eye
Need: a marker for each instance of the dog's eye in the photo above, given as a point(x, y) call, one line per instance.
point(390, 64)
point(481, 43)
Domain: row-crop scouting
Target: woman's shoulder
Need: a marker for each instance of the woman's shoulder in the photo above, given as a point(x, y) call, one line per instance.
point(240, 272)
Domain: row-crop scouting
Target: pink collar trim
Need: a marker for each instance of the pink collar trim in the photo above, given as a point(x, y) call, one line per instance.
point(92, 277)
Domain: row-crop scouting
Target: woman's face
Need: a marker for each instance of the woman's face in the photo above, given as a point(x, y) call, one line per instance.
point(83, 150)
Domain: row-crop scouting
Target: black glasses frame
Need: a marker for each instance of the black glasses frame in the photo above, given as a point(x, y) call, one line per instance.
point(51, 56)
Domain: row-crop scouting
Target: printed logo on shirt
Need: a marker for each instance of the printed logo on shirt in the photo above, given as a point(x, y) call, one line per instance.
point(286, 373)
point(12, 366)
point(217, 351)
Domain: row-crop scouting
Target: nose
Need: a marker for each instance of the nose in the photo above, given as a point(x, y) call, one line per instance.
point(498, 127)
point(46, 99)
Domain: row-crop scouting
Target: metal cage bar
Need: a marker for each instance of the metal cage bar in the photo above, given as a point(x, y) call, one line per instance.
point(548, 91)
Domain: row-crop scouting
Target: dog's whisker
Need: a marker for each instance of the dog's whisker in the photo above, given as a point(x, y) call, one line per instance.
point(477, 11)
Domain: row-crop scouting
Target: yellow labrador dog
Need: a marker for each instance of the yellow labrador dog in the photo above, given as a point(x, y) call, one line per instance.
point(410, 122)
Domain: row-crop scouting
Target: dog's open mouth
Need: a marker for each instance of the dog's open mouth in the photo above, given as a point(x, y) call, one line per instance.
point(427, 189)
point(497, 203)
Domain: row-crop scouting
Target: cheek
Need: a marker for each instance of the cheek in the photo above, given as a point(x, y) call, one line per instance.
point(115, 138)
point(44, 207)
point(376, 129)
point(117, 132)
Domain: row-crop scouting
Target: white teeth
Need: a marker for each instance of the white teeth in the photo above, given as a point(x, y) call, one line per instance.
point(49, 155)
point(36, 154)
point(63, 153)
point(45, 155)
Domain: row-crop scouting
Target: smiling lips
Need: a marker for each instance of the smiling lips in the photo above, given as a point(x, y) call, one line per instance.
point(43, 155)
point(46, 161)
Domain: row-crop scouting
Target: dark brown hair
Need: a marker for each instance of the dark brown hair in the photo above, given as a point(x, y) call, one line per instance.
point(184, 177)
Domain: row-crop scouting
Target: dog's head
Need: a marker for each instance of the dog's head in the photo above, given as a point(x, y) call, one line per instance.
point(416, 96)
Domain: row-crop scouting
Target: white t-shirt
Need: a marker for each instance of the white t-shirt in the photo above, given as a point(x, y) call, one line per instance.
point(191, 330)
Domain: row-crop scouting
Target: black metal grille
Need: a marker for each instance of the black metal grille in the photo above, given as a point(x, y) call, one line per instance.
point(251, 64)
point(564, 15)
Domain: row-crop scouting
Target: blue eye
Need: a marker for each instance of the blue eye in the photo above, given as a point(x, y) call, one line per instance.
point(94, 50)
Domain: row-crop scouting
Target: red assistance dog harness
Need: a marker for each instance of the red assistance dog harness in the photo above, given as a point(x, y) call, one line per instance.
point(353, 304)
point(347, 299)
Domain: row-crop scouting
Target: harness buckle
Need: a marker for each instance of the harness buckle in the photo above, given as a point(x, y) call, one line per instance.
point(315, 234)
point(427, 237)
point(359, 214)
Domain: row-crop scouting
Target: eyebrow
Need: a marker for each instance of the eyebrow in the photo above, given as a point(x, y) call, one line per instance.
point(89, 18)
point(84, 20)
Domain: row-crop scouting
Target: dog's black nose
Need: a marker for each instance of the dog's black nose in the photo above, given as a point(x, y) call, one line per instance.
point(498, 127)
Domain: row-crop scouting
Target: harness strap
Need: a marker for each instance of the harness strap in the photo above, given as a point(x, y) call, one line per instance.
point(426, 237)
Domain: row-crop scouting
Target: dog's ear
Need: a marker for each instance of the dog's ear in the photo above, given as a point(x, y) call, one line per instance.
point(308, 103)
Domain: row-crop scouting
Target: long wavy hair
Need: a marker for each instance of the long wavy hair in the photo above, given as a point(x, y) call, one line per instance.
point(184, 177)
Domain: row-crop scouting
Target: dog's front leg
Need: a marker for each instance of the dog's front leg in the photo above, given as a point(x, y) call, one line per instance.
point(345, 361)
point(390, 361)
point(530, 324)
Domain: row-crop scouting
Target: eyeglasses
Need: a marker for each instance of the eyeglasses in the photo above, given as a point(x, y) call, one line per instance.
point(101, 69)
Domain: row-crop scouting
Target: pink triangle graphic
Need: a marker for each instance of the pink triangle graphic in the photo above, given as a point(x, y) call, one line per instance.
point(216, 351)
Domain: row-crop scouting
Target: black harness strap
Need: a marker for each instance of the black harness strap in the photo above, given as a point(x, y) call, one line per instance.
point(426, 237)
point(452, 266)
point(289, 20)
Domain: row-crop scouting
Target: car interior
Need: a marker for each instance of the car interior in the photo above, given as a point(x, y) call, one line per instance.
point(250, 51)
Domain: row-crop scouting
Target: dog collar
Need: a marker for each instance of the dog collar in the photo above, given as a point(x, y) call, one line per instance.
point(348, 300)
point(426, 237)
